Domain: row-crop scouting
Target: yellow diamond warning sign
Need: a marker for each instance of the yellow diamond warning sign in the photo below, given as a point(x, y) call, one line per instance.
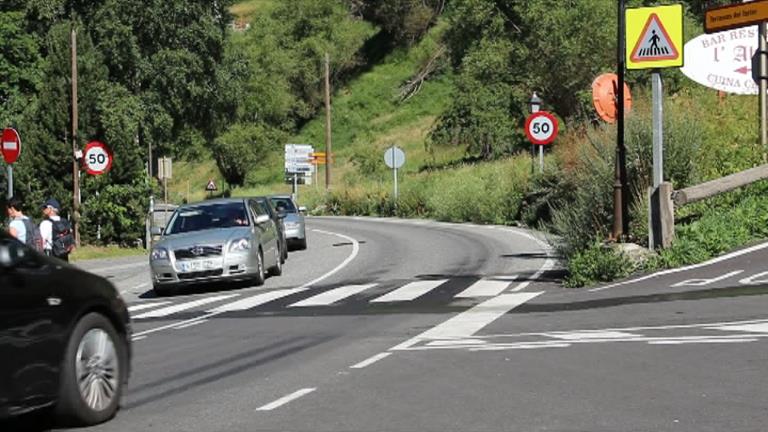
point(654, 37)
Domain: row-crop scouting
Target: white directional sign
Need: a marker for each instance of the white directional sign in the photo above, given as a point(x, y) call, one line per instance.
point(394, 157)
point(298, 158)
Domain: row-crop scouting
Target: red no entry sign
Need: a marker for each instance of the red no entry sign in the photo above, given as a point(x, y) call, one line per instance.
point(541, 128)
point(97, 158)
point(11, 145)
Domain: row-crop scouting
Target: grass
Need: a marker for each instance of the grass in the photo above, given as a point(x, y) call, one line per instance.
point(104, 252)
point(245, 10)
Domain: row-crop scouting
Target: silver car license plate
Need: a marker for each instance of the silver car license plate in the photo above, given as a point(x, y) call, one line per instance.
point(199, 265)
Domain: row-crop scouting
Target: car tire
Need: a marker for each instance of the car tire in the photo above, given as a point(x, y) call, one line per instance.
point(277, 270)
point(302, 244)
point(260, 276)
point(284, 254)
point(107, 371)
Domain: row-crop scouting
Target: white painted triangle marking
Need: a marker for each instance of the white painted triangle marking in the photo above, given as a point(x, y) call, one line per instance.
point(333, 296)
point(170, 310)
point(654, 43)
point(257, 300)
point(410, 291)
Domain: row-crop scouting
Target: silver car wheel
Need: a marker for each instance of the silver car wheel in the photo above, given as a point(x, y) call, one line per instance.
point(97, 369)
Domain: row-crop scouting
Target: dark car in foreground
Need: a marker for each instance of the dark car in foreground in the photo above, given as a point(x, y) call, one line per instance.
point(64, 339)
point(220, 240)
point(295, 230)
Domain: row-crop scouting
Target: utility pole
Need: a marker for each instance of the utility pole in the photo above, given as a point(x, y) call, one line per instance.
point(620, 206)
point(328, 154)
point(763, 71)
point(75, 161)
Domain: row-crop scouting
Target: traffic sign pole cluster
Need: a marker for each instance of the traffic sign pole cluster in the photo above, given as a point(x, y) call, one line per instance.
point(656, 36)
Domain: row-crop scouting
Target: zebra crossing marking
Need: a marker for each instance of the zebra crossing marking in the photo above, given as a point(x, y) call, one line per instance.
point(335, 295)
point(170, 310)
point(486, 288)
point(410, 291)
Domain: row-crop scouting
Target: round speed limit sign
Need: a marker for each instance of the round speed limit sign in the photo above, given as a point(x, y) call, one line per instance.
point(541, 128)
point(97, 158)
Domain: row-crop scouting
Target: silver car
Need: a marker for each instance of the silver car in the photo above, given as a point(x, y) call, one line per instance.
point(295, 230)
point(217, 240)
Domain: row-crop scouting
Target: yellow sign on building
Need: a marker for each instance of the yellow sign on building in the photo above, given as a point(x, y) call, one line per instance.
point(654, 37)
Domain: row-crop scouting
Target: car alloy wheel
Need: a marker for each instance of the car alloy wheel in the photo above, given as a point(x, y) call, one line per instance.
point(97, 369)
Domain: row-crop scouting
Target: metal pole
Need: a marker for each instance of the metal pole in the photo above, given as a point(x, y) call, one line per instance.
point(762, 33)
point(619, 224)
point(394, 170)
point(295, 187)
point(328, 156)
point(10, 181)
point(541, 159)
point(75, 166)
point(658, 128)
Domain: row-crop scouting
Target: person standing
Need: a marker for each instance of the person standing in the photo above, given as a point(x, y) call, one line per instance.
point(17, 228)
point(56, 232)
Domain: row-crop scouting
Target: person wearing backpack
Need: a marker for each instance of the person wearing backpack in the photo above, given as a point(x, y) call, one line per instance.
point(56, 232)
point(21, 227)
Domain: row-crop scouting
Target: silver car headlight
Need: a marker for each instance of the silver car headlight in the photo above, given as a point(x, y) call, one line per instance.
point(240, 245)
point(159, 254)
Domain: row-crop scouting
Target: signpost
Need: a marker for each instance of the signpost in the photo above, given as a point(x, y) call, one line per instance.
point(97, 158)
point(394, 157)
point(541, 129)
point(735, 15)
point(299, 162)
point(724, 61)
point(211, 187)
point(165, 172)
point(656, 37)
point(11, 151)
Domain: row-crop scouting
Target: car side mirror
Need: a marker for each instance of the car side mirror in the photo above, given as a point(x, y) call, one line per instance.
point(261, 219)
point(302, 209)
point(157, 231)
point(12, 253)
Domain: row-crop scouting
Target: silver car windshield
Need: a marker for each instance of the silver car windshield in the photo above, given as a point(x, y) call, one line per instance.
point(284, 205)
point(208, 216)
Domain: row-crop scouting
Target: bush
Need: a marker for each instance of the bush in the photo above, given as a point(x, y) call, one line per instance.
point(120, 211)
point(596, 263)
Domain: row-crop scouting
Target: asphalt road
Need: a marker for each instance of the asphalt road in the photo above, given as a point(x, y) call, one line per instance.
point(389, 325)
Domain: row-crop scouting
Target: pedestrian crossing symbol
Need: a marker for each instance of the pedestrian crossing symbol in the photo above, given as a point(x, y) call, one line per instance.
point(653, 37)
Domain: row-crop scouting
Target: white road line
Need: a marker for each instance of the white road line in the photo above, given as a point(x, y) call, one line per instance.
point(690, 267)
point(183, 306)
point(287, 399)
point(192, 324)
point(753, 328)
point(333, 296)
point(352, 256)
point(371, 360)
point(139, 307)
point(467, 323)
point(410, 291)
point(254, 301)
point(484, 288)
